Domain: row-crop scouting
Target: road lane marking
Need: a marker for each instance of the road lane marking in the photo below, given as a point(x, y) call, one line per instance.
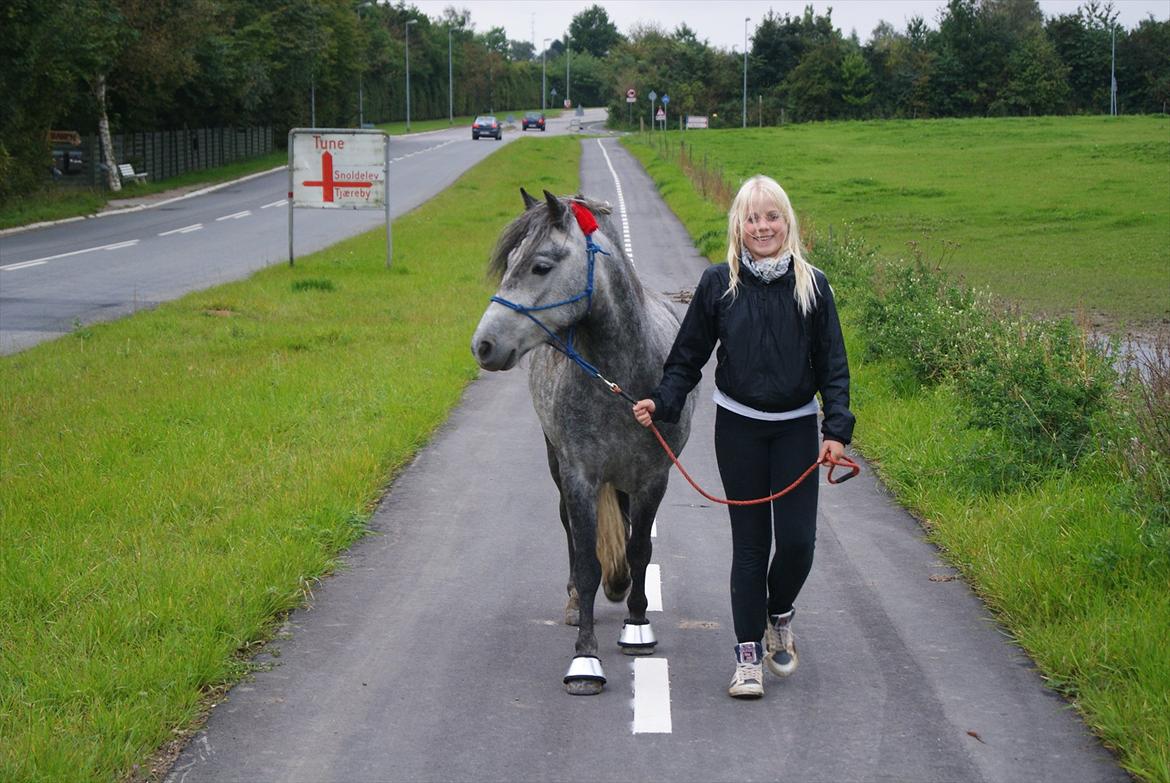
point(654, 528)
point(652, 696)
point(653, 588)
point(235, 215)
point(183, 230)
point(280, 203)
point(627, 245)
point(21, 265)
point(66, 255)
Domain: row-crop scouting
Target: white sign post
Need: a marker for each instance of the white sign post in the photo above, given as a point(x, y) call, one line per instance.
point(338, 168)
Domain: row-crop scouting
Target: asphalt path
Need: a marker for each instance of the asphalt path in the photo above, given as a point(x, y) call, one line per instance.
point(57, 277)
point(437, 652)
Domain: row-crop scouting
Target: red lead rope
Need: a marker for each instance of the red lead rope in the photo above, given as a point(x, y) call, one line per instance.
point(845, 462)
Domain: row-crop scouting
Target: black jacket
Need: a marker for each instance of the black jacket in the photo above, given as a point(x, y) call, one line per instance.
point(770, 357)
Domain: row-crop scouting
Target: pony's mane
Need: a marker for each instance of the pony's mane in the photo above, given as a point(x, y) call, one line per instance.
point(533, 227)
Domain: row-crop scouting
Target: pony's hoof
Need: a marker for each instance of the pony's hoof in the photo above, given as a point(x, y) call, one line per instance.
point(637, 639)
point(583, 687)
point(585, 676)
point(572, 616)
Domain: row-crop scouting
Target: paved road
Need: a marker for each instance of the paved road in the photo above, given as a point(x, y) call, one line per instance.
point(79, 272)
point(437, 653)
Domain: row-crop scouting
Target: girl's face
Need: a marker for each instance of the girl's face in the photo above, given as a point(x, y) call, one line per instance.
point(764, 231)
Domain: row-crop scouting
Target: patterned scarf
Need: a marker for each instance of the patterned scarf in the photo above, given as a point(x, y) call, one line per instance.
point(768, 269)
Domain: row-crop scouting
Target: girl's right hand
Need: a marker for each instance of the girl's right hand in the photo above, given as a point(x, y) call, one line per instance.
point(643, 411)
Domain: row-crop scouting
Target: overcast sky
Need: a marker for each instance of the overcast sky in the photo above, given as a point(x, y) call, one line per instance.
point(720, 22)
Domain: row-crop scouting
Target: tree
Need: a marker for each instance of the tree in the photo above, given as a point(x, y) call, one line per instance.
point(1037, 80)
point(592, 31)
point(521, 50)
point(856, 83)
point(1082, 42)
point(1143, 67)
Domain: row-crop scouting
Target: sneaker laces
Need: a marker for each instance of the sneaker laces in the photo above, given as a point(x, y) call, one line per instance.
point(747, 672)
point(780, 637)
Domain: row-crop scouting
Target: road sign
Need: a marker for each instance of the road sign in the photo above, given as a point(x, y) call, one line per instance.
point(631, 95)
point(338, 168)
point(653, 96)
point(665, 99)
point(696, 121)
point(660, 116)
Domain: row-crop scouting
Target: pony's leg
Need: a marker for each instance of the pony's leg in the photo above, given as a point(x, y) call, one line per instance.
point(580, 496)
point(637, 638)
point(572, 613)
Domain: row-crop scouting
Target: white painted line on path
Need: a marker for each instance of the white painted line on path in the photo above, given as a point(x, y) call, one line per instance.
point(653, 588)
point(120, 245)
point(280, 203)
point(183, 230)
point(235, 215)
point(21, 265)
point(652, 696)
point(654, 528)
point(627, 245)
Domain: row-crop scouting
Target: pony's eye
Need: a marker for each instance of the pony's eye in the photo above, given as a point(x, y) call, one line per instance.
point(541, 268)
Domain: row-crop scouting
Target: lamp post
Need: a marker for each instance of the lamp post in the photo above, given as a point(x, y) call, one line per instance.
point(409, 22)
point(746, 19)
point(568, 57)
point(543, 70)
point(450, 83)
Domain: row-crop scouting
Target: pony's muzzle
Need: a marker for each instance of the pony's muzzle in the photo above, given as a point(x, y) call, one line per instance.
point(491, 357)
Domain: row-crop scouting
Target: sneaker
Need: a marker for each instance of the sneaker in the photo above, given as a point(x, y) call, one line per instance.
point(780, 644)
point(748, 680)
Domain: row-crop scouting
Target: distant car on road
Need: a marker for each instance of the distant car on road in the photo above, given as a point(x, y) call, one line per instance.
point(486, 125)
point(533, 119)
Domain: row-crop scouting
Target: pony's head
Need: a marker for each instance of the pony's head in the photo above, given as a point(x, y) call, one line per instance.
point(540, 261)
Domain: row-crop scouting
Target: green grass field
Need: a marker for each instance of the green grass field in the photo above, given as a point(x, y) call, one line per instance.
point(175, 480)
point(1053, 213)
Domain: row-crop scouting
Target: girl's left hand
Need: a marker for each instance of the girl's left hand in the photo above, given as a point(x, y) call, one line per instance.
point(831, 450)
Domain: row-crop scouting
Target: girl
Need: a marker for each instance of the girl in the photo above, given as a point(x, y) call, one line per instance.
point(772, 315)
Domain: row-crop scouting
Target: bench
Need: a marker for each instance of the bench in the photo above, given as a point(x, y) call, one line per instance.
point(127, 172)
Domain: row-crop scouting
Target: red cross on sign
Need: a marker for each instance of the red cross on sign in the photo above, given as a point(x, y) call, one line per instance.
point(328, 184)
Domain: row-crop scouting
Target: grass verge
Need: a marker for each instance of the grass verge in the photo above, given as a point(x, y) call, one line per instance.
point(176, 480)
point(1072, 570)
point(1053, 213)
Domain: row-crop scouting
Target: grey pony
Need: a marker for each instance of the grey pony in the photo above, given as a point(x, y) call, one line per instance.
point(610, 471)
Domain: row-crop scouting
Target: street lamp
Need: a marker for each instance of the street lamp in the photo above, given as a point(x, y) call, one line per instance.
point(568, 57)
point(409, 22)
point(543, 81)
point(450, 83)
point(746, 19)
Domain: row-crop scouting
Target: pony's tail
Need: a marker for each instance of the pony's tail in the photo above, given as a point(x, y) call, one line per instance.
point(611, 544)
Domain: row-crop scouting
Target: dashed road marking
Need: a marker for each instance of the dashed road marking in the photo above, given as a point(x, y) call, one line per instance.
point(21, 265)
point(653, 588)
point(652, 696)
point(280, 203)
point(183, 230)
point(627, 245)
point(235, 215)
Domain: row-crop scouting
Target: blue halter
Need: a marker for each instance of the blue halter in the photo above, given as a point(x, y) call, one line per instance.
point(565, 346)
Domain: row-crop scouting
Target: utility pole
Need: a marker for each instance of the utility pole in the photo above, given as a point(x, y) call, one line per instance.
point(543, 72)
point(1113, 72)
point(568, 57)
point(746, 19)
point(409, 22)
point(450, 83)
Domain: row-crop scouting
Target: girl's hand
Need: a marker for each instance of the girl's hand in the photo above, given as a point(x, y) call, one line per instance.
point(831, 451)
point(643, 410)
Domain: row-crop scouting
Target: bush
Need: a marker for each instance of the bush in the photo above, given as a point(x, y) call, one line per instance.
point(1041, 384)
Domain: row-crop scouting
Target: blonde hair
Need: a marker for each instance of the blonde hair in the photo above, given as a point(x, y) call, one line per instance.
point(756, 192)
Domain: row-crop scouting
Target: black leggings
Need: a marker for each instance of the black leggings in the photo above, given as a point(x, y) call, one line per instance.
point(757, 458)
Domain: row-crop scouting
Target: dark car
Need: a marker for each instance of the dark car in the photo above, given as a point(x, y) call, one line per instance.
point(486, 125)
point(533, 119)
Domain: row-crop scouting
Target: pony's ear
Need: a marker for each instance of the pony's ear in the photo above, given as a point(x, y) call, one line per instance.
point(556, 210)
point(529, 201)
